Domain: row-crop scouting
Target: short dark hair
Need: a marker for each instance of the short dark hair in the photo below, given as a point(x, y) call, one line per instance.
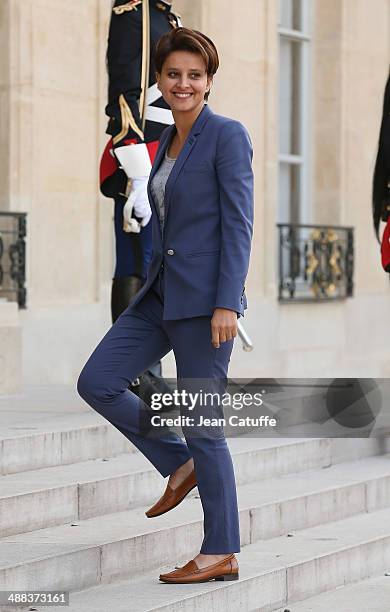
point(184, 39)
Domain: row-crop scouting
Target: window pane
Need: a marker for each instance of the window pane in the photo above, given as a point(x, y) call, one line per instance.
point(290, 12)
point(289, 190)
point(289, 97)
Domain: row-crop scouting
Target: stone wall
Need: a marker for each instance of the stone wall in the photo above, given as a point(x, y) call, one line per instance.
point(52, 130)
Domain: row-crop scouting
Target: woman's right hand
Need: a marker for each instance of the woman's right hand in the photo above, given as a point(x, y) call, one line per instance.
point(223, 326)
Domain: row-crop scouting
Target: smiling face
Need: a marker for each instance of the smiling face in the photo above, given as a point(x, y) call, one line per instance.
point(183, 81)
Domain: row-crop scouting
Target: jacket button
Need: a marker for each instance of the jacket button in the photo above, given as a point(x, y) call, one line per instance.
point(170, 252)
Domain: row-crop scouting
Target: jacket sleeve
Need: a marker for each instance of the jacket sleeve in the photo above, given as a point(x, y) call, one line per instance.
point(124, 60)
point(235, 176)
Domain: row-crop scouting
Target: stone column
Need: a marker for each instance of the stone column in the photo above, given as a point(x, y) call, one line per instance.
point(245, 89)
point(50, 127)
point(351, 64)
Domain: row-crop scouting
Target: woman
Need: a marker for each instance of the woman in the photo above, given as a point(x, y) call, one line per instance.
point(381, 181)
point(201, 192)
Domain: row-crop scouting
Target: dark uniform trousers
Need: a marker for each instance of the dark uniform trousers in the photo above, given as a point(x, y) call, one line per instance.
point(139, 338)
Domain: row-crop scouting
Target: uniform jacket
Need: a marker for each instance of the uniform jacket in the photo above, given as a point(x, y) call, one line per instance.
point(205, 244)
point(124, 62)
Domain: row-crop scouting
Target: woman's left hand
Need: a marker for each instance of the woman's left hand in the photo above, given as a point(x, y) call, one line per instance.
point(223, 326)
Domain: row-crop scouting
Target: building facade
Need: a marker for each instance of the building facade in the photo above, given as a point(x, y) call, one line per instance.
point(306, 77)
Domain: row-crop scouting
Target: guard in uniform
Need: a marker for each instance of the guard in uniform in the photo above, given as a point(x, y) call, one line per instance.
point(137, 116)
point(381, 181)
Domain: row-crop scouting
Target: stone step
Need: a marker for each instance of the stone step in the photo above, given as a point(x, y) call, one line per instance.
point(370, 595)
point(46, 497)
point(50, 426)
point(61, 442)
point(51, 496)
point(114, 546)
point(274, 574)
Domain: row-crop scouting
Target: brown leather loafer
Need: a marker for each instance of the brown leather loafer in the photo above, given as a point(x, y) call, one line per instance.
point(226, 569)
point(172, 497)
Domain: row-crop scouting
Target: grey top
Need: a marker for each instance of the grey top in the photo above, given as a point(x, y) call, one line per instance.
point(158, 183)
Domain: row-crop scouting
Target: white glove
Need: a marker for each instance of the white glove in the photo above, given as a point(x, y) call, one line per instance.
point(139, 202)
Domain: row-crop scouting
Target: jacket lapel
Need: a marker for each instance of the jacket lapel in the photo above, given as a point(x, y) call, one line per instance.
point(184, 153)
point(200, 121)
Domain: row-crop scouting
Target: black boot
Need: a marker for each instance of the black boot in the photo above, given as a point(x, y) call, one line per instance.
point(122, 291)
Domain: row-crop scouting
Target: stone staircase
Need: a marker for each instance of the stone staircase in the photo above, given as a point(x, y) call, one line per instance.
point(314, 516)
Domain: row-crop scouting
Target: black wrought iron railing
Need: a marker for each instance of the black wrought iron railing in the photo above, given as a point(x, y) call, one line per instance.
point(13, 257)
point(316, 262)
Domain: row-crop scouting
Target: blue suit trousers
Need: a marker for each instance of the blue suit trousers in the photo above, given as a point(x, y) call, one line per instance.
point(139, 338)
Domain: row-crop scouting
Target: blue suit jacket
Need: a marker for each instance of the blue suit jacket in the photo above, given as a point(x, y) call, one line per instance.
point(205, 245)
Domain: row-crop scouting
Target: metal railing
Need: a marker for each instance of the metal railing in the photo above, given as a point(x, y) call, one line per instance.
point(316, 262)
point(13, 257)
